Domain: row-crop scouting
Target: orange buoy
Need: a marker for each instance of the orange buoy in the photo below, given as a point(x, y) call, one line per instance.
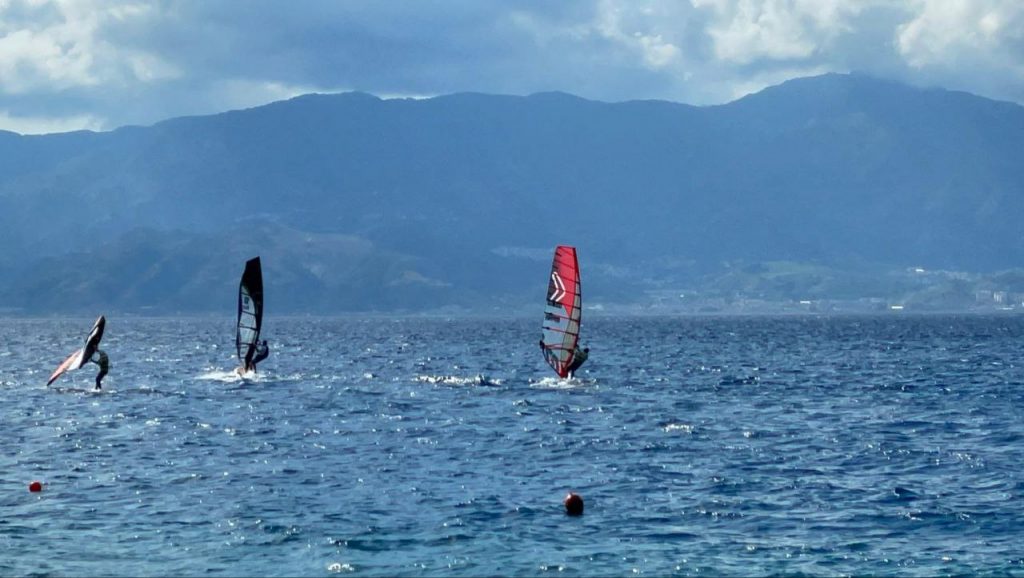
point(35, 487)
point(574, 504)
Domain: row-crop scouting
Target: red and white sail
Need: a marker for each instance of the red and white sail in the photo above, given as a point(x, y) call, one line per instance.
point(562, 310)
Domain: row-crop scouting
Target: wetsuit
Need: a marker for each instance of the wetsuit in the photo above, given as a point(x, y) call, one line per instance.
point(259, 354)
point(262, 351)
point(578, 357)
point(104, 364)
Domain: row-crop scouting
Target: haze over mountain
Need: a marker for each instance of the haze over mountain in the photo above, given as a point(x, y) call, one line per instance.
point(362, 204)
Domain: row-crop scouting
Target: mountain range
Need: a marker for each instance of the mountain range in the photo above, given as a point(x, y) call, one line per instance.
point(455, 203)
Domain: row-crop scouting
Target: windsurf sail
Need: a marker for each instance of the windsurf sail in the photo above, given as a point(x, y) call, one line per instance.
point(250, 311)
point(81, 356)
point(561, 328)
point(73, 359)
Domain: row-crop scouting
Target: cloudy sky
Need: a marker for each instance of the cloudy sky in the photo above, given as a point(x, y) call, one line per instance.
point(100, 64)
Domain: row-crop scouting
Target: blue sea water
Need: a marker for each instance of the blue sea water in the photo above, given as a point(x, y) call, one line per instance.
point(889, 445)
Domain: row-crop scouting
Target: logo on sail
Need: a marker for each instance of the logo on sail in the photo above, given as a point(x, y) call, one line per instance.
point(557, 288)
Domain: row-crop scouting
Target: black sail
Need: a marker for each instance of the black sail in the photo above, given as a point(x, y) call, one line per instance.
point(250, 310)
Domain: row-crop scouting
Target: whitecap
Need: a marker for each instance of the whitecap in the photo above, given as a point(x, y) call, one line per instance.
point(220, 375)
point(682, 427)
point(557, 383)
point(478, 379)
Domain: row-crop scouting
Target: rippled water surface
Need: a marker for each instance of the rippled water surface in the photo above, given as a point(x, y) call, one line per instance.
point(884, 445)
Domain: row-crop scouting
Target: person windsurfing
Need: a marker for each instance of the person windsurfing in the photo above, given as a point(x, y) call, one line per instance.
point(250, 318)
point(262, 352)
point(259, 353)
point(100, 358)
point(563, 309)
point(89, 353)
point(578, 357)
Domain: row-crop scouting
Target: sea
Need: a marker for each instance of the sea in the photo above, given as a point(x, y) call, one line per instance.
point(888, 445)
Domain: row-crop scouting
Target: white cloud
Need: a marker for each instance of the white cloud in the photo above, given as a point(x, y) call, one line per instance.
point(745, 31)
point(950, 32)
point(31, 59)
point(47, 125)
point(633, 26)
point(59, 44)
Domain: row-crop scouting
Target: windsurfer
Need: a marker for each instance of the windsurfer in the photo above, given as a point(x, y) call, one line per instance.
point(578, 357)
point(100, 359)
point(262, 351)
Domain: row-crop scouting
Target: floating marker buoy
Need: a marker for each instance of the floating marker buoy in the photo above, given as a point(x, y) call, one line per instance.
point(35, 487)
point(574, 504)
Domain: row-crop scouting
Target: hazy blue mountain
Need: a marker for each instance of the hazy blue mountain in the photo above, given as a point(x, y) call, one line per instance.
point(363, 204)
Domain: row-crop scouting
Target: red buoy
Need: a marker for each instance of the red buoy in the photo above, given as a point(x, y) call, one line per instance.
point(35, 487)
point(574, 504)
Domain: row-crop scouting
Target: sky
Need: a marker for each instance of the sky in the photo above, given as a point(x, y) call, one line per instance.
point(100, 64)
